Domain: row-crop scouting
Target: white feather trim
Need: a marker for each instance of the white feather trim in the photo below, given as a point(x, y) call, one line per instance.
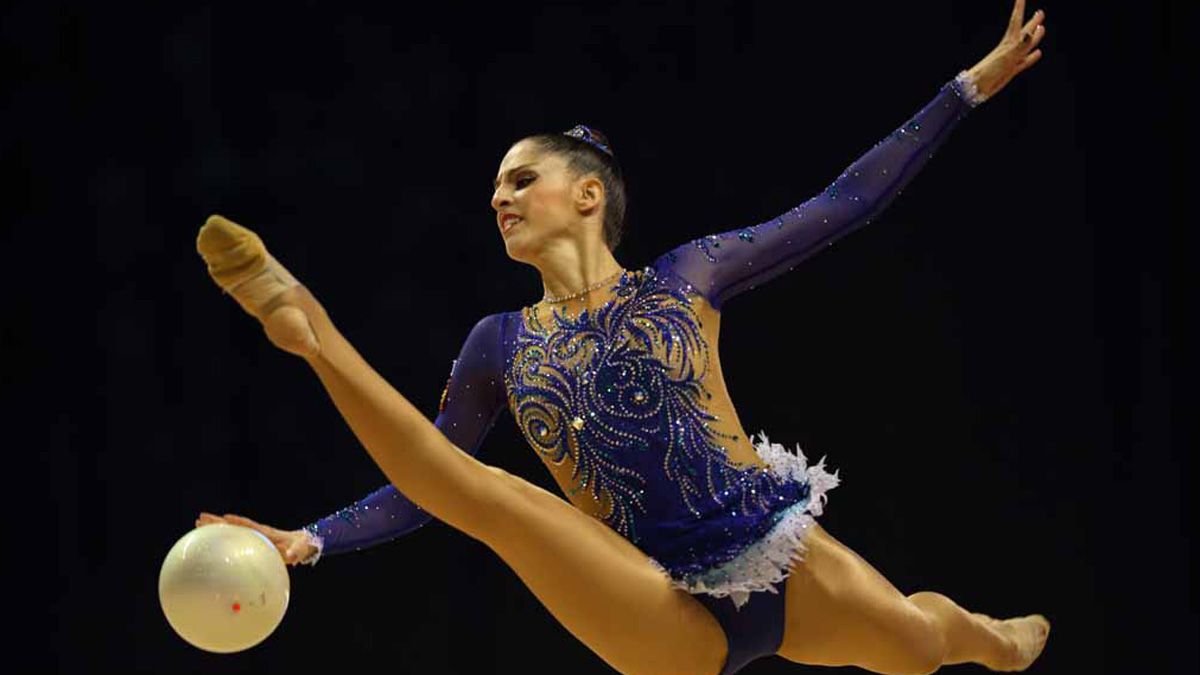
point(769, 560)
point(317, 542)
point(969, 89)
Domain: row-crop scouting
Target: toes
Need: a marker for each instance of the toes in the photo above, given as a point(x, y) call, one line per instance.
point(233, 253)
point(240, 264)
point(1036, 629)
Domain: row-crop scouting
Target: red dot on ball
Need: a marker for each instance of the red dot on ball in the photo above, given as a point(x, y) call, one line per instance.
point(237, 607)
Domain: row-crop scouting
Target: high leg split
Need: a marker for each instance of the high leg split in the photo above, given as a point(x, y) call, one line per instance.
point(239, 262)
point(597, 584)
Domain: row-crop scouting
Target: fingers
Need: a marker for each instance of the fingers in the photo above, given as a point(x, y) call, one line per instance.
point(1027, 54)
point(208, 519)
point(1034, 24)
point(1030, 59)
point(1021, 50)
point(1015, 27)
point(1037, 36)
point(1018, 13)
point(234, 519)
point(244, 521)
point(271, 532)
point(289, 550)
point(1036, 19)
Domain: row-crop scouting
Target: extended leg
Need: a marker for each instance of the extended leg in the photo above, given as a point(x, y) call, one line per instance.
point(596, 583)
point(841, 611)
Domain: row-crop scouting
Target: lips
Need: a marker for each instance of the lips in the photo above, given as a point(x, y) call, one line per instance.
point(508, 221)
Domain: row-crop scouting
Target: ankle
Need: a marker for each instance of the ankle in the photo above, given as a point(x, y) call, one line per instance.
point(1010, 657)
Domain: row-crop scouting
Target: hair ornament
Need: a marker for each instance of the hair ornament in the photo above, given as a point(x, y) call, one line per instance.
point(592, 138)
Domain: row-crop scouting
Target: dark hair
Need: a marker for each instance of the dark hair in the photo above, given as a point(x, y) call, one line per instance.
point(584, 158)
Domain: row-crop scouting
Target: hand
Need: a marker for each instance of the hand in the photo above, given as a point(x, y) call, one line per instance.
point(1013, 55)
point(293, 545)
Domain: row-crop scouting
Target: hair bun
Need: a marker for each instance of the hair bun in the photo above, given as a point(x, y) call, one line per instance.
point(591, 136)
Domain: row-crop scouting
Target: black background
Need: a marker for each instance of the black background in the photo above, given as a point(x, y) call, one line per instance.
point(991, 365)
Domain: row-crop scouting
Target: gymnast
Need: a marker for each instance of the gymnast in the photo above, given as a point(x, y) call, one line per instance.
point(684, 545)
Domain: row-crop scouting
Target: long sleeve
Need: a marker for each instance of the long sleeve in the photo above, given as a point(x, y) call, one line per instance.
point(473, 397)
point(720, 266)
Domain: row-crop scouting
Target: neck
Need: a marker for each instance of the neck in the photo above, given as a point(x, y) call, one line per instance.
point(571, 269)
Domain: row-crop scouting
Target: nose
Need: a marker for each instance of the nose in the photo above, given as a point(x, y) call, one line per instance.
point(500, 198)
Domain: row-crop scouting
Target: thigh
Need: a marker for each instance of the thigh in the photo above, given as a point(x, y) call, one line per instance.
point(842, 611)
point(599, 586)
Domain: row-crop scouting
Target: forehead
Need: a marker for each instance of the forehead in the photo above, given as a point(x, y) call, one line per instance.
point(522, 152)
point(526, 152)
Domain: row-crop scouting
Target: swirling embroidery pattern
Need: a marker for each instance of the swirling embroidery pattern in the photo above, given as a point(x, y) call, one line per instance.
point(602, 390)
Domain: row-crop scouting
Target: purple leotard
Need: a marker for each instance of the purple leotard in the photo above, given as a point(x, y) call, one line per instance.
point(625, 404)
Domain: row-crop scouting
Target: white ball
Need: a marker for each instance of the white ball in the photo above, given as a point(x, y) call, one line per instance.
point(224, 588)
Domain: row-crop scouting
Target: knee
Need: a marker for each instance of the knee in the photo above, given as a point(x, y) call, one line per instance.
point(507, 489)
point(485, 498)
point(500, 489)
point(506, 497)
point(497, 473)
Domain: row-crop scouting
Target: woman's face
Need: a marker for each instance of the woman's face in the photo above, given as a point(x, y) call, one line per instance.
point(535, 201)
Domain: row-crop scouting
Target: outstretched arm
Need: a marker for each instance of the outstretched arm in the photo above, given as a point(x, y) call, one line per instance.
point(722, 265)
point(470, 403)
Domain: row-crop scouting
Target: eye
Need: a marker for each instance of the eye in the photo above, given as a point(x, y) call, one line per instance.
point(523, 181)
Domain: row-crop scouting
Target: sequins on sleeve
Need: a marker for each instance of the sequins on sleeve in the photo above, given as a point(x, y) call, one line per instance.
point(472, 398)
point(722, 265)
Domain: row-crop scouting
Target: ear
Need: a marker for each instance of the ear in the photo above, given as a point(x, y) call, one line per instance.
point(589, 193)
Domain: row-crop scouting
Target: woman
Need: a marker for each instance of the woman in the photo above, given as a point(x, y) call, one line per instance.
point(687, 546)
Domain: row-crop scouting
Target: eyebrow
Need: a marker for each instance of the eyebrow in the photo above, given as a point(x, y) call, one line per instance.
point(496, 183)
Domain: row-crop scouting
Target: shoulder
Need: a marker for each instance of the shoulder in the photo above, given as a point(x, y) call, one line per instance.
point(489, 323)
point(668, 261)
point(675, 269)
point(494, 333)
point(488, 329)
point(481, 353)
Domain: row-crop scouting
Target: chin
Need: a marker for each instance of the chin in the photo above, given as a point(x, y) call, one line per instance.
point(528, 244)
point(518, 250)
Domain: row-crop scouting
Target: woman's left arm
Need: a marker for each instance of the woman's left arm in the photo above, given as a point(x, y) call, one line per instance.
point(720, 266)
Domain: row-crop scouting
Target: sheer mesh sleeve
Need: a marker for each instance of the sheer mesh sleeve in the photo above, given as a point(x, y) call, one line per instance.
point(473, 397)
point(722, 265)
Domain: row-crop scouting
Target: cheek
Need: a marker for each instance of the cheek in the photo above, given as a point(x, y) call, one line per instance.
point(538, 205)
point(549, 202)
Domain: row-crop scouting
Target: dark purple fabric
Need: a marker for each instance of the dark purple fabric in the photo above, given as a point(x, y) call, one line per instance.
point(722, 265)
point(687, 515)
point(595, 393)
point(752, 631)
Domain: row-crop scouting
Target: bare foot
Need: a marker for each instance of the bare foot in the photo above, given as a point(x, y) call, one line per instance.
point(1028, 634)
point(239, 262)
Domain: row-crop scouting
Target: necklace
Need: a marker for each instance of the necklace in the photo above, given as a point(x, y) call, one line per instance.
point(551, 299)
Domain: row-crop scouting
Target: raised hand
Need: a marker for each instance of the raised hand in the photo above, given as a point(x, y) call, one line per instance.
point(293, 545)
point(1013, 55)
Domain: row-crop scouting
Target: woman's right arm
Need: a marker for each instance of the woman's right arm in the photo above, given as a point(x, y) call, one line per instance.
point(473, 397)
